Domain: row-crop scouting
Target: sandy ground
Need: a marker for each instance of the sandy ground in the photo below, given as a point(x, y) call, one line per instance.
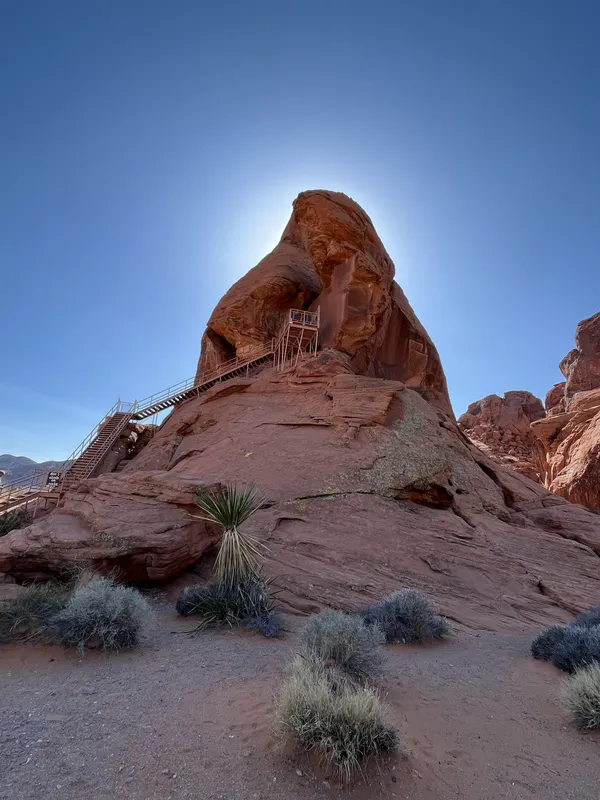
point(189, 717)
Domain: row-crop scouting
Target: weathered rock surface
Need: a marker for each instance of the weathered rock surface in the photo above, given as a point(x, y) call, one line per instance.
point(501, 428)
point(567, 442)
point(329, 256)
point(554, 402)
point(139, 524)
point(567, 450)
point(369, 482)
point(581, 367)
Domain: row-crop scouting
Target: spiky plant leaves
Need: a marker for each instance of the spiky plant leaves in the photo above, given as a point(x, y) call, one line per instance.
point(229, 507)
point(238, 559)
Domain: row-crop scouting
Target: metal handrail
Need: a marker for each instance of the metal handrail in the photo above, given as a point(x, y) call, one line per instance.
point(34, 481)
point(299, 317)
point(119, 407)
point(28, 484)
point(214, 374)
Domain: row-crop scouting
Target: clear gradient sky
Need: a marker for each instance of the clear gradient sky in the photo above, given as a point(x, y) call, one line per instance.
point(150, 151)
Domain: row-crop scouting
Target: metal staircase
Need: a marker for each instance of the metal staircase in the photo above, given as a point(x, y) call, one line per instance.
point(297, 339)
point(92, 451)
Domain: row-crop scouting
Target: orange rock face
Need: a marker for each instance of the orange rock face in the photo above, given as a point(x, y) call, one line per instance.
point(567, 447)
point(370, 485)
point(501, 428)
point(330, 256)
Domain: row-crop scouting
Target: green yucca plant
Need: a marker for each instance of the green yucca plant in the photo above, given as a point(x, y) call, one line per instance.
point(238, 558)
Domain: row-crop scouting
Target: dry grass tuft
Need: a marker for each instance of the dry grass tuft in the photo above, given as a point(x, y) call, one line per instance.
point(344, 727)
point(581, 695)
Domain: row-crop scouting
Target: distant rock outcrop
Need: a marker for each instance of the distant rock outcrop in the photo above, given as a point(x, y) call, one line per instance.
point(369, 483)
point(567, 442)
point(501, 428)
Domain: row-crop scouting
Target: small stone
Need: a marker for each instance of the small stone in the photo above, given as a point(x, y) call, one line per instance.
point(299, 773)
point(165, 772)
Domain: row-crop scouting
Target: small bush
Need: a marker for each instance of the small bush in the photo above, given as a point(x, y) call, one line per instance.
point(14, 520)
point(578, 647)
point(581, 695)
point(28, 616)
point(220, 604)
point(269, 624)
point(405, 616)
point(588, 619)
point(346, 641)
point(545, 644)
point(343, 727)
point(101, 614)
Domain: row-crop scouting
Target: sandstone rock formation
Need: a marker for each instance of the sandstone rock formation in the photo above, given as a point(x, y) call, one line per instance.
point(581, 367)
point(330, 255)
point(501, 428)
point(554, 402)
point(370, 484)
point(567, 442)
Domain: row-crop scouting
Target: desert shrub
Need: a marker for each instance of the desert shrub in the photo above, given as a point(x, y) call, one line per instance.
point(101, 614)
point(587, 619)
point(581, 695)
point(346, 641)
point(545, 644)
point(405, 616)
point(238, 557)
point(28, 616)
point(267, 623)
point(219, 604)
point(343, 727)
point(13, 520)
point(578, 647)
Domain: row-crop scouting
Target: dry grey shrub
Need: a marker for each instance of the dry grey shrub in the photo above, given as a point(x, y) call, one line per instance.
point(346, 641)
point(405, 616)
point(102, 614)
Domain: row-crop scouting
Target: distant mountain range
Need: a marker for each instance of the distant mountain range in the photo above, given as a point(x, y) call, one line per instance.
point(17, 467)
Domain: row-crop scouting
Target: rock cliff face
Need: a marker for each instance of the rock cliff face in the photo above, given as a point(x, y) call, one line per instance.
point(369, 482)
point(567, 442)
point(501, 428)
point(331, 256)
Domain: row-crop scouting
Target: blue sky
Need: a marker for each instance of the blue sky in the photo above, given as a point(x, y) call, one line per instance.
point(150, 152)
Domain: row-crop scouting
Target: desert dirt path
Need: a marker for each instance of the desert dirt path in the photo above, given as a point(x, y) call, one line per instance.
point(188, 717)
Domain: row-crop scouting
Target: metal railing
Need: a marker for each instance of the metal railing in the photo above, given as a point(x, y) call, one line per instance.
point(211, 375)
point(36, 481)
point(309, 318)
point(119, 407)
point(18, 489)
